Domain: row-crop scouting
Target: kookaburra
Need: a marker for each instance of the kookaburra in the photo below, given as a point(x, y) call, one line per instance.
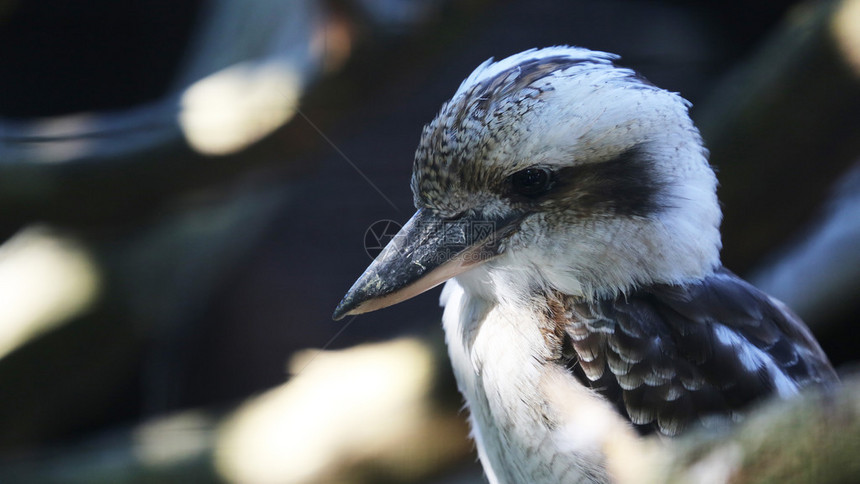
point(570, 206)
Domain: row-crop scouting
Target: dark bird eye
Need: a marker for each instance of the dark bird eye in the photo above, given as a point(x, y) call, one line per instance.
point(531, 181)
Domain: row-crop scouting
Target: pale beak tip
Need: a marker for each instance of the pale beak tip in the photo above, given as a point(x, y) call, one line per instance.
point(354, 300)
point(345, 308)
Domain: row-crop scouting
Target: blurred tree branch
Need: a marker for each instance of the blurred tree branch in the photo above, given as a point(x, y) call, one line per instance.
point(276, 438)
point(785, 118)
point(815, 438)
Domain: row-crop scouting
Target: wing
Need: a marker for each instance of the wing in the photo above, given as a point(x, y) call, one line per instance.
point(673, 356)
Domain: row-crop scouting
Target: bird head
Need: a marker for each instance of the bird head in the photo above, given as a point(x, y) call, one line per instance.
point(552, 169)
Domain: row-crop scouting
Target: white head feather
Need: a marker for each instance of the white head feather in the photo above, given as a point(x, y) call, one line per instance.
point(570, 108)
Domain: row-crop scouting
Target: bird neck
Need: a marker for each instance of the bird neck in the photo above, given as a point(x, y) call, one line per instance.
point(532, 421)
point(606, 258)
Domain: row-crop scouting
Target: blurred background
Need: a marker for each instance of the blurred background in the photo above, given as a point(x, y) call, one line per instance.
point(186, 189)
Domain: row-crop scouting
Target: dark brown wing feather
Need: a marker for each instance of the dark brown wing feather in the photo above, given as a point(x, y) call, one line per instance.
point(672, 356)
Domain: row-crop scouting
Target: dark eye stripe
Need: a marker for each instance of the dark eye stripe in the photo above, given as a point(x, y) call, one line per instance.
point(624, 185)
point(531, 182)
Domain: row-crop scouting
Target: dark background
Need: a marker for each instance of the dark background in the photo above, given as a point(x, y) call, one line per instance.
point(182, 322)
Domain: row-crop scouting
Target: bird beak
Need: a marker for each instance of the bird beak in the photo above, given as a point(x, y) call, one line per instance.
point(426, 252)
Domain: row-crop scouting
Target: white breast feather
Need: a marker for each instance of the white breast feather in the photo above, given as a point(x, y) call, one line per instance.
point(532, 423)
